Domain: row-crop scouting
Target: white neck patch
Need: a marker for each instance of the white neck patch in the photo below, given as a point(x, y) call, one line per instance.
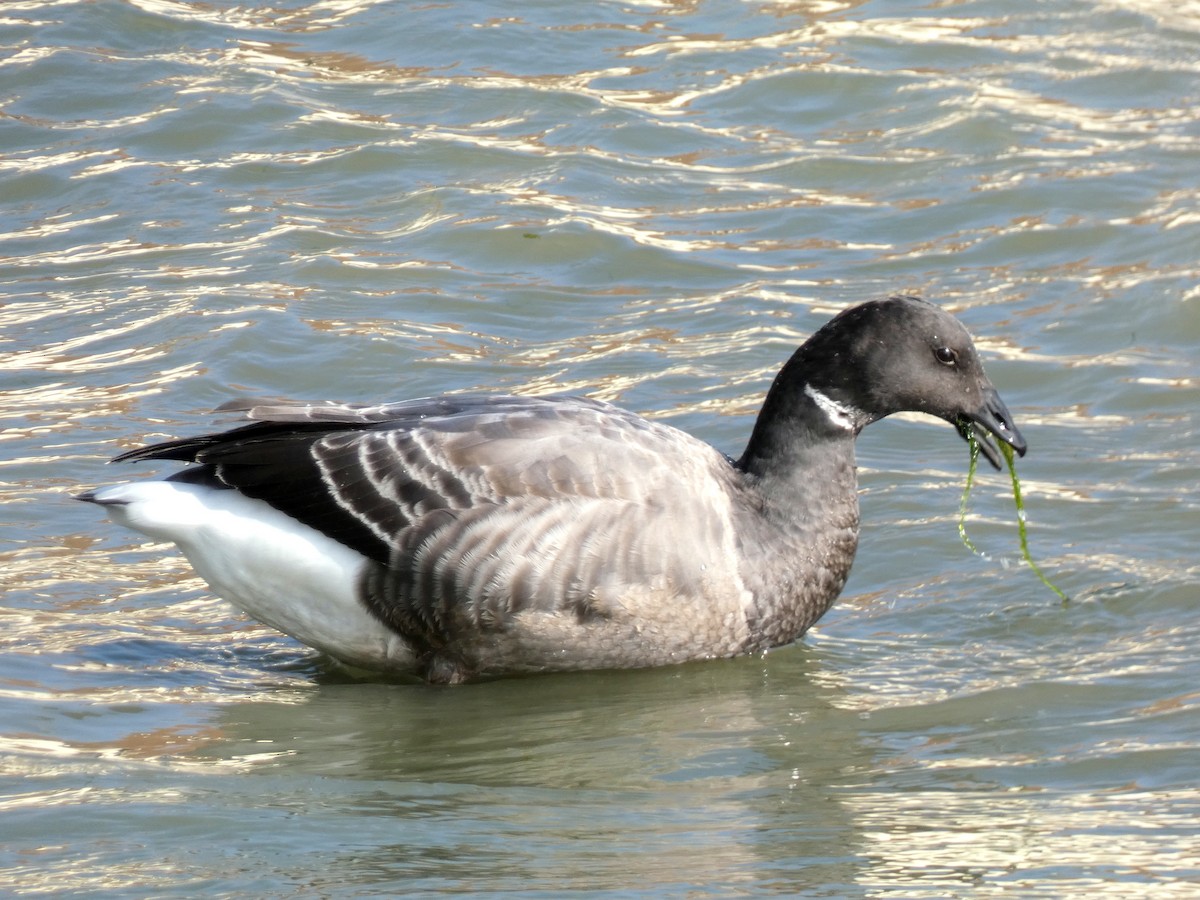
point(839, 414)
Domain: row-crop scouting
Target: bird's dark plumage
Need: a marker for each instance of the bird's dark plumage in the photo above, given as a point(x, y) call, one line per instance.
point(482, 535)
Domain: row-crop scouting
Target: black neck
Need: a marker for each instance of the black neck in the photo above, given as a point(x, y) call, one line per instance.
point(799, 464)
point(793, 432)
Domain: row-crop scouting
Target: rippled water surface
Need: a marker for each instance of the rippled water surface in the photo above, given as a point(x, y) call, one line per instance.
point(652, 203)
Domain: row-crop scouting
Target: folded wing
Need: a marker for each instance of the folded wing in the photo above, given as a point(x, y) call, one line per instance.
point(478, 508)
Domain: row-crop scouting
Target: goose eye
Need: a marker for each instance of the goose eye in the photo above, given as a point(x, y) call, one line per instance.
point(947, 356)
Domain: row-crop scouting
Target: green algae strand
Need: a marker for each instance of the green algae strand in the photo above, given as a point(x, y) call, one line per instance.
point(1022, 531)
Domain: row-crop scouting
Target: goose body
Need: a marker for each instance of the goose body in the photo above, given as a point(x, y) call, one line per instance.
point(467, 536)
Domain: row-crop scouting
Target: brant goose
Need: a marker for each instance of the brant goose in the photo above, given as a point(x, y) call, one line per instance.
point(460, 537)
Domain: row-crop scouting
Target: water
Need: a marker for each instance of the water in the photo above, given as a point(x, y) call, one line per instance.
point(651, 203)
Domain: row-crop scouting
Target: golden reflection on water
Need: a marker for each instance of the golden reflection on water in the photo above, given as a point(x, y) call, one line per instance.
point(1047, 841)
point(317, 16)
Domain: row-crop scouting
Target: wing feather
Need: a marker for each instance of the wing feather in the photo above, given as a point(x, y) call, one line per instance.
point(462, 449)
point(479, 509)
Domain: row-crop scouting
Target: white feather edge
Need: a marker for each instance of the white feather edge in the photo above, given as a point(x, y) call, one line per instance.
point(272, 567)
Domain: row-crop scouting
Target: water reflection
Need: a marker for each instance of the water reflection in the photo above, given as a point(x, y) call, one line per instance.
point(667, 767)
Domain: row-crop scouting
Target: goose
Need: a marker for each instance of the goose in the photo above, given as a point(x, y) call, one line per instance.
point(462, 537)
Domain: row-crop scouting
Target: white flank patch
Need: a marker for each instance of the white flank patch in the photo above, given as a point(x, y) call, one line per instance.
point(274, 568)
point(839, 414)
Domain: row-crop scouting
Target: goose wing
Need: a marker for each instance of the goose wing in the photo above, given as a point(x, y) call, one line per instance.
point(479, 507)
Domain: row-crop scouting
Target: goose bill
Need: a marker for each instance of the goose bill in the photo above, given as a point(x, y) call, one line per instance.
point(992, 417)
